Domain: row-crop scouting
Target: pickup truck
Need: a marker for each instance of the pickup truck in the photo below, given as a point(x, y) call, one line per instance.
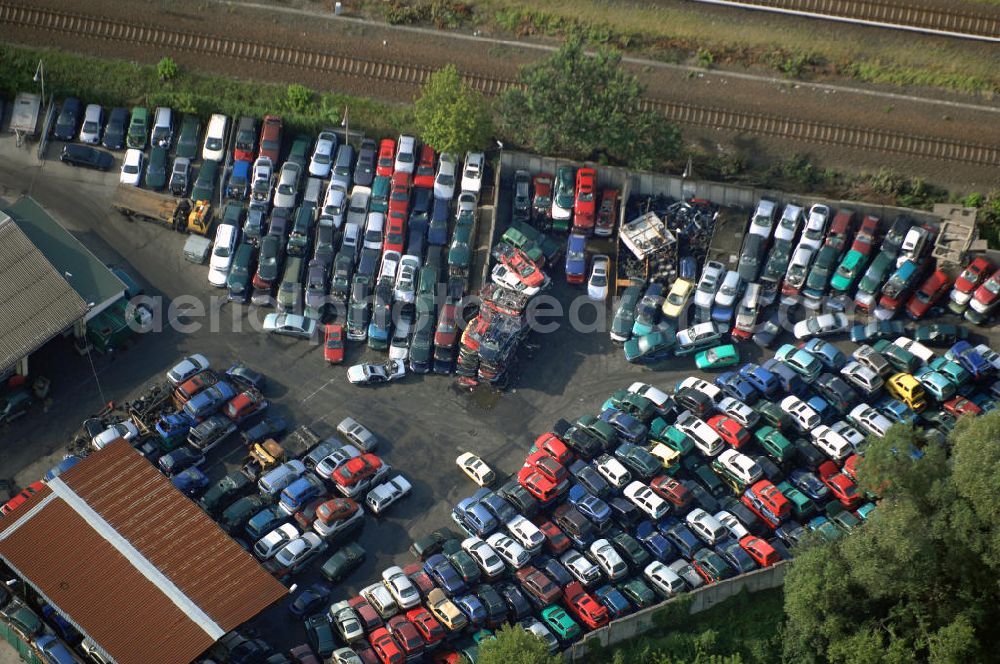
point(267, 454)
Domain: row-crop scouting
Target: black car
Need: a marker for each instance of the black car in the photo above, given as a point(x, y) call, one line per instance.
point(743, 514)
point(525, 503)
point(522, 196)
point(225, 489)
point(416, 229)
point(836, 392)
point(114, 130)
point(69, 120)
point(583, 442)
point(496, 608)
point(518, 604)
point(702, 497)
point(749, 265)
point(697, 402)
point(621, 325)
point(364, 169)
point(245, 376)
point(807, 455)
point(86, 156)
point(426, 546)
point(269, 427)
point(187, 139)
point(624, 513)
point(156, 169)
point(238, 280)
point(253, 227)
point(631, 551)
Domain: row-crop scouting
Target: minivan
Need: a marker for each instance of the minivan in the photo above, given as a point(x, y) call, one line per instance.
point(163, 128)
point(274, 481)
point(215, 138)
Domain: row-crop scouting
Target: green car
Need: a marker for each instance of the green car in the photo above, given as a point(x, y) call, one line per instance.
point(650, 348)
point(204, 184)
point(876, 273)
point(138, 128)
point(236, 515)
point(900, 358)
point(483, 635)
point(290, 288)
point(635, 405)
point(621, 325)
point(379, 201)
point(23, 618)
point(671, 436)
point(600, 429)
point(342, 563)
point(713, 565)
point(187, 140)
point(156, 169)
point(772, 415)
point(717, 358)
point(564, 627)
point(299, 153)
point(630, 549)
point(848, 271)
point(637, 592)
point(226, 488)
point(518, 239)
point(802, 506)
point(865, 511)
point(240, 273)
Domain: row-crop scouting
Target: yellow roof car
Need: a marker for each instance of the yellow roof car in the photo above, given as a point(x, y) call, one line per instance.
point(677, 298)
point(667, 455)
point(906, 388)
point(445, 610)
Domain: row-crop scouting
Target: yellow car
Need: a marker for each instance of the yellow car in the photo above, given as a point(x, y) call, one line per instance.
point(667, 455)
point(677, 298)
point(906, 388)
point(445, 610)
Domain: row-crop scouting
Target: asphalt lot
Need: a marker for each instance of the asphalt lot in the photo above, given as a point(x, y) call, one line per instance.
point(423, 421)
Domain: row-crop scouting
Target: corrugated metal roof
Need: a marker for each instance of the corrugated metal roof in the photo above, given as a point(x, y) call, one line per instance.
point(36, 302)
point(94, 582)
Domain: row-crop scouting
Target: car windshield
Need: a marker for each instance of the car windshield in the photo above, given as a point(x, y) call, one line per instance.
point(586, 196)
point(214, 144)
point(285, 189)
point(993, 286)
point(600, 281)
point(446, 180)
point(222, 251)
point(130, 169)
point(321, 158)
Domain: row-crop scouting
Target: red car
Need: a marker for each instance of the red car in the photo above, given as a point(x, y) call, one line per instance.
point(307, 515)
point(20, 498)
point(928, 295)
point(972, 276)
point(364, 651)
point(369, 617)
point(764, 500)
point(537, 484)
point(586, 201)
point(333, 343)
point(554, 447)
point(582, 605)
point(730, 430)
point(424, 177)
point(960, 406)
point(270, 139)
point(399, 194)
point(446, 331)
point(538, 585)
point(607, 213)
point(556, 541)
point(549, 468)
point(246, 404)
point(865, 239)
point(386, 157)
point(840, 485)
point(446, 657)
point(395, 226)
point(851, 466)
point(385, 647)
point(985, 297)
point(420, 578)
point(840, 229)
point(671, 489)
point(192, 386)
point(763, 553)
point(430, 629)
point(406, 635)
point(357, 470)
point(524, 268)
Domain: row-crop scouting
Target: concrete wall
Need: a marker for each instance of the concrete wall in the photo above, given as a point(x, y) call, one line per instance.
point(704, 598)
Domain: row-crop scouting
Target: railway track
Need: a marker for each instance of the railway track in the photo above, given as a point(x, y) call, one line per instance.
point(100, 28)
point(893, 14)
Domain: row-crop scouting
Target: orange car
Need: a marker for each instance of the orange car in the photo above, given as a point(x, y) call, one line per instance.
point(386, 157)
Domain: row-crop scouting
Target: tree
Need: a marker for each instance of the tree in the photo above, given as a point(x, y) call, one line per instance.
point(513, 645)
point(451, 116)
point(917, 582)
point(297, 97)
point(166, 69)
point(586, 107)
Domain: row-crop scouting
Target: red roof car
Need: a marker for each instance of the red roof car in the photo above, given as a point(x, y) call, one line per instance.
point(865, 239)
point(192, 386)
point(671, 489)
point(973, 275)
point(840, 485)
point(606, 215)
point(851, 466)
point(20, 498)
point(430, 629)
point(551, 469)
point(586, 200)
point(420, 578)
point(556, 541)
point(537, 484)
point(246, 404)
point(542, 201)
point(399, 194)
point(764, 500)
point(554, 447)
point(446, 331)
point(731, 431)
point(333, 343)
point(369, 617)
point(762, 552)
point(394, 228)
point(357, 470)
point(270, 138)
point(406, 635)
point(581, 604)
point(306, 515)
point(986, 295)
point(932, 290)
point(385, 647)
point(386, 157)
point(960, 406)
point(424, 177)
point(538, 585)
point(526, 271)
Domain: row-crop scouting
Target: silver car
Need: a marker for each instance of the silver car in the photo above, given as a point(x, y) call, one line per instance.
point(322, 156)
point(288, 185)
point(346, 622)
point(93, 120)
point(704, 295)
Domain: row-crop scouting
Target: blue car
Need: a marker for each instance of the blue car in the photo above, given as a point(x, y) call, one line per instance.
point(762, 380)
point(790, 381)
point(265, 521)
point(688, 268)
point(831, 356)
point(737, 387)
point(444, 575)
point(210, 400)
point(54, 650)
point(588, 504)
point(474, 518)
point(174, 425)
point(190, 482)
point(416, 229)
point(685, 541)
point(473, 609)
point(576, 258)
point(823, 408)
point(499, 507)
point(654, 541)
point(613, 600)
point(555, 570)
point(895, 410)
point(984, 402)
point(309, 600)
point(629, 428)
point(971, 360)
point(734, 554)
point(68, 462)
point(437, 230)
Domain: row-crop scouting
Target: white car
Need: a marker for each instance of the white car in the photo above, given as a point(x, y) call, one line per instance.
point(821, 326)
point(659, 398)
point(788, 225)
point(472, 175)
point(466, 204)
point(664, 580)
point(708, 285)
point(93, 120)
point(387, 493)
point(580, 567)
point(263, 179)
point(869, 419)
point(381, 600)
point(713, 392)
point(831, 443)
point(732, 524)
point(371, 374)
point(288, 185)
point(406, 154)
point(226, 237)
point(476, 469)
point(762, 222)
point(739, 466)
point(345, 621)
point(709, 529)
point(645, 499)
point(406, 278)
point(805, 417)
point(484, 555)
point(691, 335)
point(850, 434)
point(444, 180)
point(729, 290)
point(270, 544)
point(509, 549)
point(798, 267)
point(739, 411)
point(922, 352)
point(815, 230)
point(132, 167)
point(608, 559)
point(526, 533)
point(400, 587)
point(322, 156)
point(335, 204)
point(186, 368)
point(390, 267)
point(299, 550)
point(597, 284)
point(324, 469)
point(613, 470)
point(214, 148)
point(373, 231)
point(292, 325)
point(127, 431)
point(863, 377)
point(706, 439)
point(534, 626)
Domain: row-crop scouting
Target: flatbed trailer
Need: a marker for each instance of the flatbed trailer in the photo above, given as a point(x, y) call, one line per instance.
point(24, 117)
point(152, 206)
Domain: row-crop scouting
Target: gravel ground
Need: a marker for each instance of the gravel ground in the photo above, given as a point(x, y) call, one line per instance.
point(712, 88)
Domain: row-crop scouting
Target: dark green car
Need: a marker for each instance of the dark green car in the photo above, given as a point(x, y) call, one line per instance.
point(631, 551)
point(290, 289)
point(876, 273)
point(900, 358)
point(299, 154)
point(712, 565)
point(802, 506)
point(236, 515)
point(187, 140)
point(564, 627)
point(379, 201)
point(204, 184)
point(342, 563)
point(774, 442)
point(599, 429)
point(156, 169)
point(226, 488)
point(621, 325)
point(466, 566)
point(138, 128)
point(319, 633)
point(671, 436)
point(772, 414)
point(637, 592)
point(238, 281)
point(635, 405)
point(822, 268)
point(23, 618)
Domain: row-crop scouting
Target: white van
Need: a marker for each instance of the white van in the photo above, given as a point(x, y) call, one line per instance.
point(215, 138)
point(705, 526)
point(613, 470)
point(163, 128)
point(831, 443)
point(373, 230)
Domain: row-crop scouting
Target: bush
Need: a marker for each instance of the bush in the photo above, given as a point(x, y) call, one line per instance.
point(166, 69)
point(297, 98)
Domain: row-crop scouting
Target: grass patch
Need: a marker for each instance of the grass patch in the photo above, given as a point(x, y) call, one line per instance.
point(746, 628)
point(120, 83)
